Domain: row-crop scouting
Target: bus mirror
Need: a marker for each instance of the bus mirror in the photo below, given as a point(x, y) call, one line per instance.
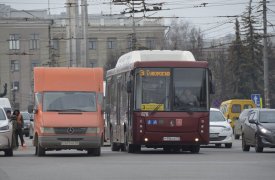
point(129, 86)
point(212, 88)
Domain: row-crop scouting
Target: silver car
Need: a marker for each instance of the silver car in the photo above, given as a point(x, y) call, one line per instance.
point(6, 131)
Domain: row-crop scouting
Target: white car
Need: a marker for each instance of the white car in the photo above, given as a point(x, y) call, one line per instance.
point(220, 129)
point(6, 131)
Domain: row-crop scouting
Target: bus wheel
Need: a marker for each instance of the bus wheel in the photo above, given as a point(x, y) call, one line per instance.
point(137, 148)
point(166, 149)
point(131, 148)
point(195, 149)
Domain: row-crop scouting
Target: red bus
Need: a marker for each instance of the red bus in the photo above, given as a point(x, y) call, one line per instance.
point(146, 105)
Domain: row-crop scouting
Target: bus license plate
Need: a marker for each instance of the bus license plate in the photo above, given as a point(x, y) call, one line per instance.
point(171, 138)
point(69, 143)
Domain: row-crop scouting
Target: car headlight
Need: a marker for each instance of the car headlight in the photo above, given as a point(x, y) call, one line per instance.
point(227, 129)
point(47, 130)
point(263, 130)
point(4, 128)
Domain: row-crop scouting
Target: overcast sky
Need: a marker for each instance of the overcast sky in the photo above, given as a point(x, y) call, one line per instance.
point(211, 18)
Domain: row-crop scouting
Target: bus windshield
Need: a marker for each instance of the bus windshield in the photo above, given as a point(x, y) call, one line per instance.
point(171, 89)
point(69, 101)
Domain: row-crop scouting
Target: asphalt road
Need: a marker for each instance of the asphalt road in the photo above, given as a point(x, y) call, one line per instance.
point(210, 164)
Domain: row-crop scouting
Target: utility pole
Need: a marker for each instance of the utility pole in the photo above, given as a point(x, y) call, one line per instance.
point(73, 44)
point(84, 25)
point(265, 59)
point(137, 6)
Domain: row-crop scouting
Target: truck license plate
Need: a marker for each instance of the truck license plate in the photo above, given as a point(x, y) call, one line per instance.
point(171, 138)
point(69, 143)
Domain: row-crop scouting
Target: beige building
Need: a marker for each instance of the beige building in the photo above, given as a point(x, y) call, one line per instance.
point(30, 39)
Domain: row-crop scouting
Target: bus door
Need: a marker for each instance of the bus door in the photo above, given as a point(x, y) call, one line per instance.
point(119, 127)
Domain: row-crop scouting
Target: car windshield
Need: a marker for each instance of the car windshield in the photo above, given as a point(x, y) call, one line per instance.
point(2, 115)
point(69, 101)
point(216, 116)
point(267, 116)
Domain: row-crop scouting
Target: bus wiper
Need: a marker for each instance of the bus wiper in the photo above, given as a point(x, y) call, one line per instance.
point(159, 105)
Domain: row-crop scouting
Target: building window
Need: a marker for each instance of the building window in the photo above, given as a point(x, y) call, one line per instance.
point(111, 43)
point(93, 43)
point(54, 44)
point(151, 43)
point(15, 66)
point(14, 41)
point(34, 64)
point(34, 41)
point(92, 63)
point(130, 43)
point(15, 85)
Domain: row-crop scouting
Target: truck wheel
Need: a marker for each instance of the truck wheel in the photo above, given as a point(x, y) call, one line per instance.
point(94, 151)
point(40, 150)
point(9, 152)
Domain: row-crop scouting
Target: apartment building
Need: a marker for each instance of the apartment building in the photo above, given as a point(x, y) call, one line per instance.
point(32, 38)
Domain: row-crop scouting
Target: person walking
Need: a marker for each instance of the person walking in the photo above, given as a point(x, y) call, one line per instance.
point(18, 131)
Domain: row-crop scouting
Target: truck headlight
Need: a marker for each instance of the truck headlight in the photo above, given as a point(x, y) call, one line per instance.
point(92, 130)
point(47, 130)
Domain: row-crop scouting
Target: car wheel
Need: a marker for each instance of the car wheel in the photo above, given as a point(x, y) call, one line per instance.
point(258, 147)
point(237, 136)
point(217, 145)
point(228, 145)
point(245, 147)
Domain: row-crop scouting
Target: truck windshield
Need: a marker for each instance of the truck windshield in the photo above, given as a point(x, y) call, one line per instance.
point(69, 101)
point(171, 89)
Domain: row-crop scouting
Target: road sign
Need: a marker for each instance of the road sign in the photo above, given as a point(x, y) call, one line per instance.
point(256, 98)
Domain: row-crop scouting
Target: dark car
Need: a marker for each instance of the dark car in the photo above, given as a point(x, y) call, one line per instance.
point(259, 130)
point(27, 122)
point(239, 123)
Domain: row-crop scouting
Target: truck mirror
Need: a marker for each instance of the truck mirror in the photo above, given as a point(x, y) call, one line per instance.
point(107, 109)
point(30, 109)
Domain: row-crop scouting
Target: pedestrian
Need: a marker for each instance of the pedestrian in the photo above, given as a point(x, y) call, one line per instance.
point(8, 113)
point(20, 125)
